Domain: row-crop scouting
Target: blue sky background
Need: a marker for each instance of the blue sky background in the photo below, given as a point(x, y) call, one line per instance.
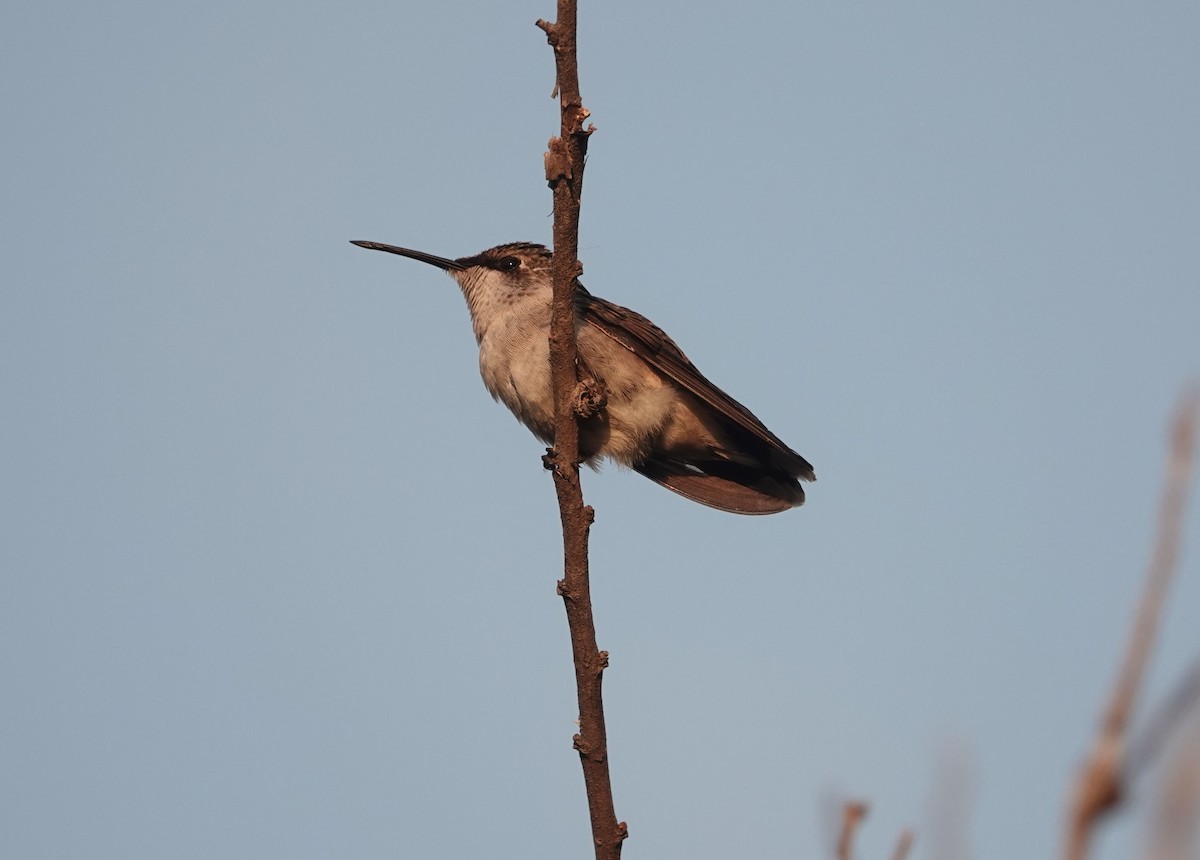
point(277, 575)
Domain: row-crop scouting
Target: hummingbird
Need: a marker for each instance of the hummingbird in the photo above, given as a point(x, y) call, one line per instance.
point(661, 416)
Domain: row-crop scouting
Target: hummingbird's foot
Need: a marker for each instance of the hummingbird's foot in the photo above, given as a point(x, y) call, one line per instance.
point(550, 462)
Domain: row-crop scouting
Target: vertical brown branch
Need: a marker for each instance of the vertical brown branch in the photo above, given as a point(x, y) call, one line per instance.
point(564, 173)
point(1100, 783)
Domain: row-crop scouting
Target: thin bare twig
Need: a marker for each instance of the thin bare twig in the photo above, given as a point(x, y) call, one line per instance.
point(1173, 833)
point(903, 845)
point(1100, 785)
point(852, 815)
point(564, 173)
point(1166, 718)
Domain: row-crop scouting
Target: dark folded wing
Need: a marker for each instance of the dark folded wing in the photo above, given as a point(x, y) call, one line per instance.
point(742, 491)
point(642, 337)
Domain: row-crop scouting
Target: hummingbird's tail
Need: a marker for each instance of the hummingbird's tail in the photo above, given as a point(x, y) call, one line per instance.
point(728, 486)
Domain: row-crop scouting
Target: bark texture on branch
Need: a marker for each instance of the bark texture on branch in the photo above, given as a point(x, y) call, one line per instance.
point(564, 173)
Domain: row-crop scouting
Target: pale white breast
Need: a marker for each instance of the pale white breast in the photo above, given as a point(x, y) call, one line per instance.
point(514, 361)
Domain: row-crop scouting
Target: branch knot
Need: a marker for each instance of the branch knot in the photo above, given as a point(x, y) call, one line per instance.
point(551, 31)
point(558, 162)
point(590, 397)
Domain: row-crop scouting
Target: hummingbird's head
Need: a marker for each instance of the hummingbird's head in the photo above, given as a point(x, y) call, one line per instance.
point(493, 281)
point(520, 259)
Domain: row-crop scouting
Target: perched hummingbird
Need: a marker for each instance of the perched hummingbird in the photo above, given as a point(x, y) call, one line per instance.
point(662, 418)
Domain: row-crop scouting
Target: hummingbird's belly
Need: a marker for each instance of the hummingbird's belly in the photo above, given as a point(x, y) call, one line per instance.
point(644, 412)
point(515, 366)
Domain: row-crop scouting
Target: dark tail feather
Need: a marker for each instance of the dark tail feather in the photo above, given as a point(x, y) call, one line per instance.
point(727, 486)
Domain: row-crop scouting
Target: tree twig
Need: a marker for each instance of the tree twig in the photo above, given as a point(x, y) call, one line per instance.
point(1166, 718)
point(1100, 785)
point(1173, 832)
point(564, 173)
point(903, 845)
point(852, 815)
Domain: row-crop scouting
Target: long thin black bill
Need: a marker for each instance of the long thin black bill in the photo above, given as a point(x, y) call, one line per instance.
point(431, 259)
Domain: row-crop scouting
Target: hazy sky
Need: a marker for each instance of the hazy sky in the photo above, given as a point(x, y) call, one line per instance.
point(276, 575)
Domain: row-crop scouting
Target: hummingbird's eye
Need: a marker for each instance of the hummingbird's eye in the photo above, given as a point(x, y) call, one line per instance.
point(508, 264)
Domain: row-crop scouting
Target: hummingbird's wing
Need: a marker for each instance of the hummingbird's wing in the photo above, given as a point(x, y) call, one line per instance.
point(646, 340)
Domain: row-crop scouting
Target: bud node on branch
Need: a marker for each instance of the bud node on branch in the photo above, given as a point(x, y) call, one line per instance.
point(590, 398)
point(558, 162)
